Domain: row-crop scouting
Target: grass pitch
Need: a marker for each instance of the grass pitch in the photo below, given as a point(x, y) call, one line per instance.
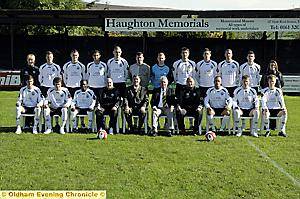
point(131, 166)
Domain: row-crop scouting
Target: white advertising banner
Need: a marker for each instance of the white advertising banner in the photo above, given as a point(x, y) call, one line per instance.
point(203, 24)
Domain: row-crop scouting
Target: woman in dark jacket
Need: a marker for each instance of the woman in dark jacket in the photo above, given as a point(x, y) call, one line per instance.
point(272, 70)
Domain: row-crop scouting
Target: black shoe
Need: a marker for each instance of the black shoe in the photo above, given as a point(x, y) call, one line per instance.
point(283, 134)
point(170, 133)
point(153, 133)
point(267, 134)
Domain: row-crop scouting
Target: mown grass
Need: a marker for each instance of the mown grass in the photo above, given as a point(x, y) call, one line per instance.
point(131, 166)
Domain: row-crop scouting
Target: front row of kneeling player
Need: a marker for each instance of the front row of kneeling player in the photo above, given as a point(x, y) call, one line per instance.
point(189, 102)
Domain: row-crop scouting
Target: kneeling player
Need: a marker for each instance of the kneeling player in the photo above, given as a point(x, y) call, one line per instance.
point(273, 106)
point(83, 103)
point(30, 102)
point(57, 103)
point(245, 103)
point(218, 103)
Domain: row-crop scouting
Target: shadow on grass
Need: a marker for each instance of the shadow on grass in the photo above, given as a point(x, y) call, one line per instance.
point(8, 129)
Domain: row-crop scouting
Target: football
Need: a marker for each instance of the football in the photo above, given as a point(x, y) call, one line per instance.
point(102, 134)
point(210, 136)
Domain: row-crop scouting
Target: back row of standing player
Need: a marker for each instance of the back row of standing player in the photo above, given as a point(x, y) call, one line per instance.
point(118, 69)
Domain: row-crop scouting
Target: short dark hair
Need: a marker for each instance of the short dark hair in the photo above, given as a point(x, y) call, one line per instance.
point(30, 77)
point(49, 52)
point(96, 51)
point(206, 49)
point(139, 54)
point(251, 52)
point(185, 49)
point(74, 51)
point(84, 80)
point(217, 77)
point(57, 80)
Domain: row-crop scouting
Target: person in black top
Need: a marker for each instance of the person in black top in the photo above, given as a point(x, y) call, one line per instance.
point(189, 103)
point(136, 103)
point(108, 103)
point(272, 70)
point(163, 102)
point(30, 69)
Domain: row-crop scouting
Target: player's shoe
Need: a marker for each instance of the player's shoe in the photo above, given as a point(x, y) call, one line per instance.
point(19, 130)
point(34, 130)
point(267, 134)
point(254, 134)
point(62, 130)
point(111, 131)
point(283, 134)
point(48, 131)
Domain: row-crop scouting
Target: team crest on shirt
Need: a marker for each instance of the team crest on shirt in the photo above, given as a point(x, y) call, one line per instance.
point(61, 95)
point(78, 67)
point(232, 66)
point(211, 67)
point(87, 96)
point(32, 93)
point(222, 93)
point(276, 94)
point(53, 70)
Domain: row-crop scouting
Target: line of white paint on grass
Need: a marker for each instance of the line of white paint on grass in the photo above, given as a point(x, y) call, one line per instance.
point(275, 164)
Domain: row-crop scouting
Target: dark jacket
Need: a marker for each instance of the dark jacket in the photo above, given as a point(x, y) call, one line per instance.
point(30, 70)
point(170, 98)
point(279, 79)
point(190, 98)
point(136, 99)
point(109, 98)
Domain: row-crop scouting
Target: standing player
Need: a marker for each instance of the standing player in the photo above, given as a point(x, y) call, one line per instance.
point(57, 102)
point(251, 69)
point(30, 69)
point(83, 103)
point(159, 70)
point(217, 102)
point(245, 103)
point(48, 71)
point(117, 68)
point(206, 70)
point(30, 101)
point(229, 72)
point(73, 72)
point(97, 74)
point(273, 105)
point(140, 69)
point(183, 68)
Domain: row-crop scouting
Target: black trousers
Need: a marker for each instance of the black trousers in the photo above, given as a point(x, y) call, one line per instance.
point(137, 112)
point(189, 112)
point(112, 117)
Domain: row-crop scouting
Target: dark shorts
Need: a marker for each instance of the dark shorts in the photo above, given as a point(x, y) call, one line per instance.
point(97, 92)
point(218, 111)
point(203, 91)
point(274, 112)
point(231, 90)
point(55, 111)
point(178, 89)
point(73, 90)
point(29, 110)
point(44, 90)
point(82, 111)
point(246, 112)
point(121, 87)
